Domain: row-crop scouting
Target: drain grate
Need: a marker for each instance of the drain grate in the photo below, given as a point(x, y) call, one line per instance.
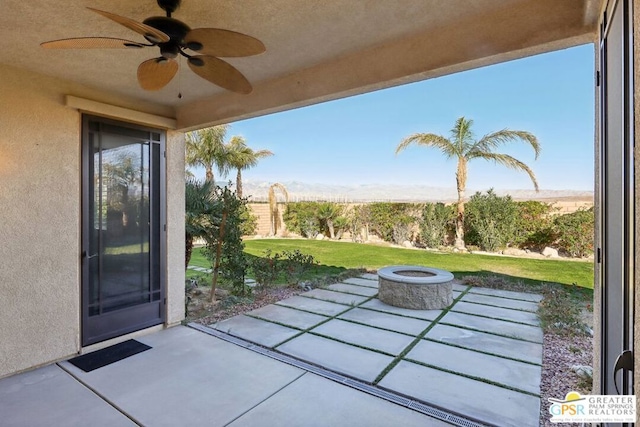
point(421, 407)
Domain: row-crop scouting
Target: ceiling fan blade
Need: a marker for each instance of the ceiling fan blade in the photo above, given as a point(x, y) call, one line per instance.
point(91, 43)
point(220, 73)
point(156, 73)
point(225, 43)
point(153, 35)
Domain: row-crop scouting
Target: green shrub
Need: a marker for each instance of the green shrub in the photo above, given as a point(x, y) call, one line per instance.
point(490, 220)
point(385, 217)
point(575, 232)
point(266, 269)
point(296, 264)
point(437, 221)
point(248, 221)
point(534, 225)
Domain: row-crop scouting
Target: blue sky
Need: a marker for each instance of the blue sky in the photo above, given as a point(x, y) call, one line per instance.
point(353, 140)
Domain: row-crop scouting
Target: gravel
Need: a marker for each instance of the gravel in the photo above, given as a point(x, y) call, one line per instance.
point(559, 353)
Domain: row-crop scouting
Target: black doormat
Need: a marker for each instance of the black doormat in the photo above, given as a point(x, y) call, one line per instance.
point(109, 355)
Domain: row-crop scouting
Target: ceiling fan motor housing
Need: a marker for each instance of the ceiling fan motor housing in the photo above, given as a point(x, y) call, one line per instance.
point(175, 29)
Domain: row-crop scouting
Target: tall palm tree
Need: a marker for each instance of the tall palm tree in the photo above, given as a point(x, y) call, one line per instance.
point(464, 147)
point(242, 157)
point(206, 148)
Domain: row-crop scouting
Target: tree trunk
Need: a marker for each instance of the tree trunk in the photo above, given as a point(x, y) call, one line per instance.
point(209, 174)
point(332, 234)
point(216, 267)
point(461, 183)
point(188, 249)
point(239, 183)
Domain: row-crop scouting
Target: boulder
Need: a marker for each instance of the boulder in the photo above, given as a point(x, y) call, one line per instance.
point(407, 244)
point(514, 252)
point(320, 236)
point(550, 252)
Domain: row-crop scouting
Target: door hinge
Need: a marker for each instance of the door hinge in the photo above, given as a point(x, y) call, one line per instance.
point(164, 153)
point(597, 78)
point(598, 256)
point(165, 301)
point(164, 227)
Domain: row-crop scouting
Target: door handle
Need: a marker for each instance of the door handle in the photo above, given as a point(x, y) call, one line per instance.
point(625, 362)
point(84, 255)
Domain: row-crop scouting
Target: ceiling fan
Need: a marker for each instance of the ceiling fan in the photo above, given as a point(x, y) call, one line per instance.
point(174, 38)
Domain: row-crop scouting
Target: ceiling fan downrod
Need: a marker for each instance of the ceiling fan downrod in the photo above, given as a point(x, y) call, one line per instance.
point(169, 6)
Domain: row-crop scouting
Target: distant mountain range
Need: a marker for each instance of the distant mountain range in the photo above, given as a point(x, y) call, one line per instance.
point(298, 191)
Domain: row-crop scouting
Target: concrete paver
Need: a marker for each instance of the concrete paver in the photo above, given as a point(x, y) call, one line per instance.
point(485, 402)
point(386, 321)
point(507, 294)
point(314, 305)
point(337, 297)
point(288, 316)
point(51, 397)
point(497, 312)
point(360, 281)
point(353, 289)
point(376, 304)
point(343, 358)
point(319, 402)
point(369, 276)
point(255, 330)
point(473, 340)
point(364, 336)
point(494, 326)
point(188, 379)
point(518, 375)
point(501, 302)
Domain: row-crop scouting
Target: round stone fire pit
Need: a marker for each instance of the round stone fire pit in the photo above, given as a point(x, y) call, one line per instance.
point(415, 287)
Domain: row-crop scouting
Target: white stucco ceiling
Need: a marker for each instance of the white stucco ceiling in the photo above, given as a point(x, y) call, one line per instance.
point(316, 49)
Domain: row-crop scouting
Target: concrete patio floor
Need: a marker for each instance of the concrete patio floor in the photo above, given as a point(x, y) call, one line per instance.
point(479, 358)
point(189, 378)
point(329, 357)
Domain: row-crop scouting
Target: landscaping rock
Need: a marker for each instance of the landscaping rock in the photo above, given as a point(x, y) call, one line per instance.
point(550, 252)
point(320, 236)
point(407, 244)
point(583, 371)
point(514, 252)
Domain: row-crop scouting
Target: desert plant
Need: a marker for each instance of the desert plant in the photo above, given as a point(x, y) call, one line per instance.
point(199, 202)
point(437, 219)
point(327, 212)
point(242, 157)
point(341, 225)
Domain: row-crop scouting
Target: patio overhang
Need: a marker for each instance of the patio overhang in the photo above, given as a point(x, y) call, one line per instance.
point(314, 54)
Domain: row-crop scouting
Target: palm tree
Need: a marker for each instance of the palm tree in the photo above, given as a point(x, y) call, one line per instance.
point(464, 147)
point(274, 215)
point(241, 157)
point(199, 202)
point(206, 148)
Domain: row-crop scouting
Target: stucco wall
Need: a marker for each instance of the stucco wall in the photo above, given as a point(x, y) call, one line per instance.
point(40, 179)
point(175, 227)
point(39, 222)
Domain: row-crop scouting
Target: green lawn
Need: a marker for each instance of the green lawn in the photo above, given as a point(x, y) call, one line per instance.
point(339, 256)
